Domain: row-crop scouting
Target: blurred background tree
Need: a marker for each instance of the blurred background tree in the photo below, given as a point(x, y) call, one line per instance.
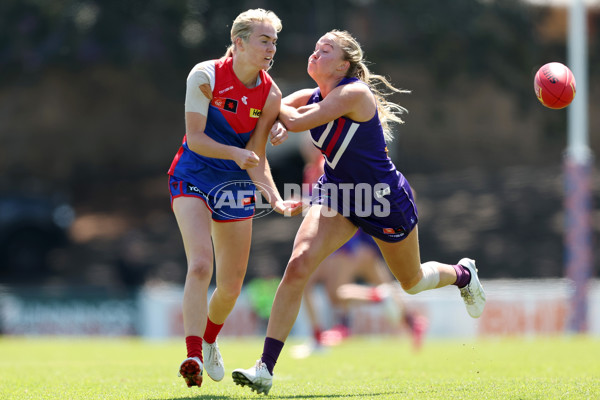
point(91, 99)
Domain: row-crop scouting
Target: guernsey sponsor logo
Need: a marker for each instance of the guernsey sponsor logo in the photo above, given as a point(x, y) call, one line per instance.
point(396, 232)
point(254, 113)
point(226, 89)
point(219, 102)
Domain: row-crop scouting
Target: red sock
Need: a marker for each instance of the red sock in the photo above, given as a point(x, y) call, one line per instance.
point(374, 295)
point(212, 330)
point(317, 334)
point(194, 347)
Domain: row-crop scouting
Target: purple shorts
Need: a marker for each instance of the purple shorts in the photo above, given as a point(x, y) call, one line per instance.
point(389, 214)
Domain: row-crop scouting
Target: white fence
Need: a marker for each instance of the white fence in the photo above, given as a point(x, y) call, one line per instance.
point(514, 307)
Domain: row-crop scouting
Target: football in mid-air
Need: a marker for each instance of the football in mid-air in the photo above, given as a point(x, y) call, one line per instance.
point(554, 85)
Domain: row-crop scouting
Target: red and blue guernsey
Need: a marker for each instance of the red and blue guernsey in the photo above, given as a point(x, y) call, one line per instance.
point(360, 180)
point(232, 116)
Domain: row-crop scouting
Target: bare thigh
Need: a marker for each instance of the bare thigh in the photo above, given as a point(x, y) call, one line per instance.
point(232, 248)
point(403, 258)
point(319, 236)
point(194, 221)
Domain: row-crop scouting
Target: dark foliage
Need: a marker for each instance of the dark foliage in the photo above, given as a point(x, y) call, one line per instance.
point(91, 96)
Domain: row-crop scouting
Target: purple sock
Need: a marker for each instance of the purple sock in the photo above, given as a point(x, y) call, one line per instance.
point(463, 276)
point(271, 351)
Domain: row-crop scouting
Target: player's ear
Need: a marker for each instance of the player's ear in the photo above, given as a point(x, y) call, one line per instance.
point(239, 43)
point(344, 65)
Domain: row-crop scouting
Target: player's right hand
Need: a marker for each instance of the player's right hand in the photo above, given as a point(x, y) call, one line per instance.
point(289, 208)
point(278, 133)
point(246, 159)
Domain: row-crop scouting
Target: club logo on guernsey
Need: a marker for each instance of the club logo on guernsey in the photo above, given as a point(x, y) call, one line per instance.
point(383, 192)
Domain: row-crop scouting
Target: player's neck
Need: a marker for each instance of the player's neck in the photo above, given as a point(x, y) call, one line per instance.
point(247, 74)
point(327, 85)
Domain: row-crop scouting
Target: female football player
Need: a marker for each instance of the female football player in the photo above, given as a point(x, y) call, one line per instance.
point(230, 105)
point(348, 121)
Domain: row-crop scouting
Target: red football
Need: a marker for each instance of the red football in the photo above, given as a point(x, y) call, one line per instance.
point(554, 85)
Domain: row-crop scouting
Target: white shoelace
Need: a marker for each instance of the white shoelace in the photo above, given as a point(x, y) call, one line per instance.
point(214, 354)
point(260, 365)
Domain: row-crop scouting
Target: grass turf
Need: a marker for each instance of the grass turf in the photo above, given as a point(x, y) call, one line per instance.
point(360, 368)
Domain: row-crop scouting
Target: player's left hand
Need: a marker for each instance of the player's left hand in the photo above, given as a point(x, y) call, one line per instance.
point(289, 208)
point(278, 133)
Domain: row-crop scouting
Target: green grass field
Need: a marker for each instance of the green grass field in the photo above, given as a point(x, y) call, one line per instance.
point(360, 368)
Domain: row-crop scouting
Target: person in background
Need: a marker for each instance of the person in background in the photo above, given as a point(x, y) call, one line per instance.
point(358, 260)
point(230, 106)
point(348, 117)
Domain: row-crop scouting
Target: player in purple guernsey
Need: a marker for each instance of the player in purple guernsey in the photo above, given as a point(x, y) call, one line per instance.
point(356, 157)
point(230, 106)
point(348, 116)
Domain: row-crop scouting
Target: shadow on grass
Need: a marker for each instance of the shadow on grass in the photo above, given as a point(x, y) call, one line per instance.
point(269, 397)
point(198, 397)
point(321, 396)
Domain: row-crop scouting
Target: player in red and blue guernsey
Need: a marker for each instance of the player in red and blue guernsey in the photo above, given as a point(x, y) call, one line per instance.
point(348, 121)
point(230, 106)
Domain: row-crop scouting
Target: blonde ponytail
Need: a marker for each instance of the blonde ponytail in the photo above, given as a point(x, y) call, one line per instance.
point(379, 85)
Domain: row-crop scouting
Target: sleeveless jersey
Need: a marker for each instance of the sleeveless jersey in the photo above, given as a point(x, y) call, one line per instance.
point(356, 157)
point(354, 152)
point(232, 116)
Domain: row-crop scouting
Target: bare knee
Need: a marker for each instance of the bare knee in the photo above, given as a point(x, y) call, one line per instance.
point(409, 282)
point(297, 271)
point(200, 270)
point(229, 291)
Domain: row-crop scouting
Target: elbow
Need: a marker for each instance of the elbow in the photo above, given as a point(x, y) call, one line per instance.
point(293, 125)
point(194, 143)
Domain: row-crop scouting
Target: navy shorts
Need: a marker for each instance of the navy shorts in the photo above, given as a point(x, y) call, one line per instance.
point(223, 208)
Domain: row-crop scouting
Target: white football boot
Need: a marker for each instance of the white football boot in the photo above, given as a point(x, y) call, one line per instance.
point(472, 294)
point(258, 378)
point(213, 362)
